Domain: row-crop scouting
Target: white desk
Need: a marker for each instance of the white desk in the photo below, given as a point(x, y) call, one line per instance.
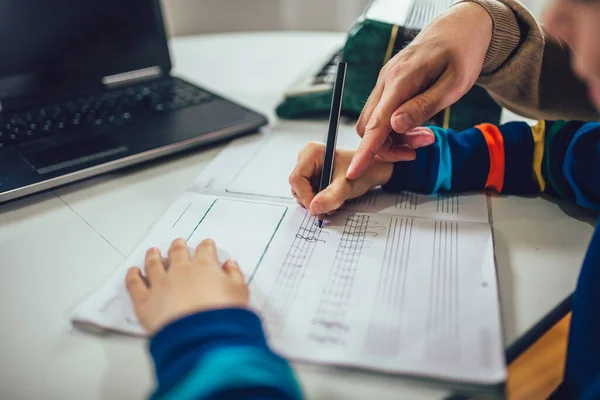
point(55, 248)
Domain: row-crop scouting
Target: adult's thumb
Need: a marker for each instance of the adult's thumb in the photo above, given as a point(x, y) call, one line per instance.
point(416, 111)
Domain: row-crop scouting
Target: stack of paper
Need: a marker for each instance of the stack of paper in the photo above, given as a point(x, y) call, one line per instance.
point(400, 283)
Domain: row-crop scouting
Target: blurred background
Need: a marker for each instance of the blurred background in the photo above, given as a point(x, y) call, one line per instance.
point(187, 17)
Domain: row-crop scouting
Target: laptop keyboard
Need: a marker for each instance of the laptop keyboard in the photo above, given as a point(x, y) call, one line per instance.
point(119, 106)
point(327, 74)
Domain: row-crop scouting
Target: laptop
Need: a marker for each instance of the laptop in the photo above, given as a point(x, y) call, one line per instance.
point(86, 88)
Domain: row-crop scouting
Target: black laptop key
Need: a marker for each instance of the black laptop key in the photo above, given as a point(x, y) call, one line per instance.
point(118, 106)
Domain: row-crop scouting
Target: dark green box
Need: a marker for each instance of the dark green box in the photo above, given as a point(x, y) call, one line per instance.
point(370, 43)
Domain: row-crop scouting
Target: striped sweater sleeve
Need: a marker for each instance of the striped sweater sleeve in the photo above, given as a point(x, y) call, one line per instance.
point(219, 354)
point(556, 157)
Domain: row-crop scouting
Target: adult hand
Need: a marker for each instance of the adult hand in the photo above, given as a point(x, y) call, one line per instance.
point(304, 179)
point(434, 71)
point(189, 285)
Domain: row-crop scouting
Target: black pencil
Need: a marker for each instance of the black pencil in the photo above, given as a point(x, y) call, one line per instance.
point(332, 131)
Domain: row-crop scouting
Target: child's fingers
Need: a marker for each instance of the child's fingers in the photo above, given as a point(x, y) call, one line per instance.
point(234, 272)
point(308, 165)
point(206, 252)
point(401, 152)
point(418, 137)
point(395, 150)
point(136, 287)
point(401, 147)
point(331, 198)
point(297, 198)
point(300, 203)
point(154, 266)
point(302, 189)
point(178, 252)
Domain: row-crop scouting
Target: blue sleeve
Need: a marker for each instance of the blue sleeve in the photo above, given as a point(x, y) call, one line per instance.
point(556, 157)
point(582, 369)
point(219, 354)
point(582, 166)
point(593, 392)
point(461, 161)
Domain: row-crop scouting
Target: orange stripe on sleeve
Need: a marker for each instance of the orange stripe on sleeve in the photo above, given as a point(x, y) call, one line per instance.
point(495, 142)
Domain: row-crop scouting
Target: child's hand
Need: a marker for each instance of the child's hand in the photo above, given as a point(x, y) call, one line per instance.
point(189, 285)
point(306, 177)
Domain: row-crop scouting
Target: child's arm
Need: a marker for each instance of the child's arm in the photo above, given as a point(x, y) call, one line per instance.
point(205, 343)
point(560, 158)
point(219, 354)
point(556, 157)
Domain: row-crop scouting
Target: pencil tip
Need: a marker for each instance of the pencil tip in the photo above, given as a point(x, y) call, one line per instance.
point(320, 223)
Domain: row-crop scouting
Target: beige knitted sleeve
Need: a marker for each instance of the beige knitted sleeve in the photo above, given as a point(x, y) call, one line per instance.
point(527, 72)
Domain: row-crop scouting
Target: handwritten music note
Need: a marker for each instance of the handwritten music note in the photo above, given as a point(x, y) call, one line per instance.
point(291, 273)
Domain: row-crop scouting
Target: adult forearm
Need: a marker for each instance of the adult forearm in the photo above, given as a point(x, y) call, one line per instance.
point(526, 71)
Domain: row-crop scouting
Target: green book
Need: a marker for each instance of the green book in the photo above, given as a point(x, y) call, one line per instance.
point(384, 29)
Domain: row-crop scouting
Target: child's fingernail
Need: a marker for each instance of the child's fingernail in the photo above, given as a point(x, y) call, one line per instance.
point(423, 140)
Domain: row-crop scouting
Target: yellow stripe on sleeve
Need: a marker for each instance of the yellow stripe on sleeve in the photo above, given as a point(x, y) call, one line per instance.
point(538, 132)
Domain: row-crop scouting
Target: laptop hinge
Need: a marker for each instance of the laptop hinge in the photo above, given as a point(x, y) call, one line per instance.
point(127, 78)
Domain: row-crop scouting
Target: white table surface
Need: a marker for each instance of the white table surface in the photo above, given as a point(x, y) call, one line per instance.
point(57, 247)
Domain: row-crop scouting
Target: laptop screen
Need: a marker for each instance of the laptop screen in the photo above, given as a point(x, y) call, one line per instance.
point(51, 44)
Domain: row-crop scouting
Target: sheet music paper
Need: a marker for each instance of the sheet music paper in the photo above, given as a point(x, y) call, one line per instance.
point(393, 283)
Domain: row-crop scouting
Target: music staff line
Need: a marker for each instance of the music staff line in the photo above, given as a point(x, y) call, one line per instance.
point(443, 314)
point(448, 203)
point(385, 329)
point(407, 201)
point(329, 321)
point(291, 274)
